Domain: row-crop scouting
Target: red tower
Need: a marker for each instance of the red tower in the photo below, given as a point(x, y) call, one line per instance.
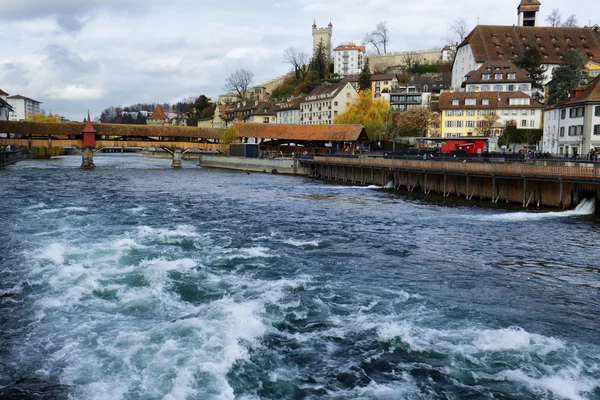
point(89, 133)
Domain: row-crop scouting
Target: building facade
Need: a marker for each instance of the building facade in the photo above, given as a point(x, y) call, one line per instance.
point(22, 107)
point(348, 59)
point(403, 98)
point(5, 108)
point(380, 83)
point(498, 77)
point(322, 105)
point(464, 114)
point(573, 128)
point(289, 112)
point(248, 111)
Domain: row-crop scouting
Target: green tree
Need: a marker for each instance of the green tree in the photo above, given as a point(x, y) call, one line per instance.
point(228, 136)
point(566, 78)
point(532, 62)
point(364, 80)
point(373, 114)
point(320, 62)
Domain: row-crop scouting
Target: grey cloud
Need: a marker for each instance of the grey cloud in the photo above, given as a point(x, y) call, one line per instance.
point(70, 65)
point(69, 23)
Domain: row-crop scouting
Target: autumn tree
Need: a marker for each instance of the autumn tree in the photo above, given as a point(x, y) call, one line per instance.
point(379, 38)
point(414, 122)
point(298, 60)
point(364, 80)
point(239, 82)
point(373, 114)
point(566, 77)
point(40, 117)
point(229, 136)
point(484, 126)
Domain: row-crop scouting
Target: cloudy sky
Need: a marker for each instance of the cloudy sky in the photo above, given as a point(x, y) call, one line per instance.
point(71, 54)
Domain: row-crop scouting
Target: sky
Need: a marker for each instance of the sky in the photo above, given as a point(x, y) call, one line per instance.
point(75, 54)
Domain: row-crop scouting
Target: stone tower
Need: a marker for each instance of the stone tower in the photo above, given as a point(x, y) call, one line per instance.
point(323, 34)
point(528, 12)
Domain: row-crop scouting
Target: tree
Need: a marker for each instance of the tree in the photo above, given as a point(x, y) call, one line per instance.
point(379, 38)
point(239, 82)
point(373, 114)
point(567, 77)
point(555, 18)
point(458, 32)
point(484, 126)
point(412, 61)
point(532, 62)
point(570, 22)
point(319, 64)
point(43, 118)
point(298, 60)
point(364, 80)
point(415, 122)
point(228, 136)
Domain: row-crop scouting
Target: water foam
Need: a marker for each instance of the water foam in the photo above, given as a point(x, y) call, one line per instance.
point(70, 209)
point(302, 243)
point(586, 207)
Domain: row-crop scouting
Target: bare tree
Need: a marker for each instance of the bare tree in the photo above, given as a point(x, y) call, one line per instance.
point(239, 82)
point(412, 61)
point(458, 32)
point(555, 18)
point(379, 38)
point(298, 59)
point(570, 22)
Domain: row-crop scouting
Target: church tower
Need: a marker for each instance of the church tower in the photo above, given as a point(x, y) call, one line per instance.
point(322, 34)
point(528, 12)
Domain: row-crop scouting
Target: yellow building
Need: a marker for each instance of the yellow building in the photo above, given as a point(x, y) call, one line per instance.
point(464, 114)
point(593, 68)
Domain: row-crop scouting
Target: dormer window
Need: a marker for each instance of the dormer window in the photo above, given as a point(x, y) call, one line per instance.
point(454, 102)
point(498, 77)
point(511, 76)
point(485, 77)
point(470, 102)
point(485, 102)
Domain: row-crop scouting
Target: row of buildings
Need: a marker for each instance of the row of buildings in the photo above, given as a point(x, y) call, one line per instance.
point(17, 108)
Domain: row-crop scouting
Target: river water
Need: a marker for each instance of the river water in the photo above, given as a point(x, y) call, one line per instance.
point(137, 281)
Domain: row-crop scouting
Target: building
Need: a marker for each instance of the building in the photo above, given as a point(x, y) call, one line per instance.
point(159, 117)
point(573, 127)
point(5, 108)
point(380, 83)
point(490, 43)
point(325, 102)
point(348, 59)
point(403, 98)
point(22, 107)
point(592, 68)
point(463, 114)
point(248, 111)
point(322, 35)
point(435, 83)
point(228, 98)
point(289, 112)
point(498, 77)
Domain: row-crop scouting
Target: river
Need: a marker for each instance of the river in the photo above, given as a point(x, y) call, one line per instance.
point(138, 281)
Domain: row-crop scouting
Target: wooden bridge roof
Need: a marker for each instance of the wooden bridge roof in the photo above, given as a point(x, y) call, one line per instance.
point(324, 133)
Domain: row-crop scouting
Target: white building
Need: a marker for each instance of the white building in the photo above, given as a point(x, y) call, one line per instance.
point(498, 77)
point(289, 112)
point(348, 59)
point(325, 102)
point(574, 126)
point(491, 43)
point(23, 107)
point(5, 108)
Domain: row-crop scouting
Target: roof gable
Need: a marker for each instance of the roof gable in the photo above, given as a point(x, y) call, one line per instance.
point(591, 93)
point(493, 68)
point(158, 113)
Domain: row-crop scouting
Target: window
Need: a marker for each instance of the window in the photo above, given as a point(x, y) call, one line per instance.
point(481, 113)
point(596, 128)
point(504, 112)
point(532, 112)
point(459, 113)
point(523, 87)
point(485, 88)
point(523, 123)
point(562, 131)
point(580, 111)
point(485, 77)
point(454, 102)
point(532, 123)
point(510, 88)
point(497, 88)
point(266, 120)
point(511, 76)
point(498, 77)
point(470, 102)
point(449, 113)
point(470, 113)
point(448, 124)
point(524, 112)
point(470, 124)
point(459, 124)
point(335, 103)
point(471, 88)
point(485, 102)
point(597, 111)
point(563, 114)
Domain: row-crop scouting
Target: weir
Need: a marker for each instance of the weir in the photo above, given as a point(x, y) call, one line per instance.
point(560, 187)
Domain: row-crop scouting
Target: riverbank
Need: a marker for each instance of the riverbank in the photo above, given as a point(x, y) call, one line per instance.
point(10, 157)
point(289, 166)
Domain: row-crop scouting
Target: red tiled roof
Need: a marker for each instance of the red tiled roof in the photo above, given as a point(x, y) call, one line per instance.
point(591, 93)
point(158, 113)
point(502, 43)
point(349, 46)
point(493, 68)
point(322, 133)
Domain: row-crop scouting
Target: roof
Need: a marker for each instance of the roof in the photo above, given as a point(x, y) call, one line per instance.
point(349, 46)
point(492, 68)
point(289, 105)
point(374, 78)
point(591, 93)
point(505, 43)
point(325, 133)
point(89, 128)
point(158, 113)
point(329, 90)
point(527, 5)
point(4, 104)
point(496, 100)
point(19, 97)
point(3, 93)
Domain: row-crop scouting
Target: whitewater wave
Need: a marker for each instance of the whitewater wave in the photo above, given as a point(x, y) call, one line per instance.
point(71, 209)
point(586, 207)
point(302, 243)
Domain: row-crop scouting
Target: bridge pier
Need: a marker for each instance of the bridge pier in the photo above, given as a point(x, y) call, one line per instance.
point(87, 157)
point(177, 154)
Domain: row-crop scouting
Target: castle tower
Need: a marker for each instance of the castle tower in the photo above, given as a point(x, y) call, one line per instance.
point(528, 12)
point(323, 34)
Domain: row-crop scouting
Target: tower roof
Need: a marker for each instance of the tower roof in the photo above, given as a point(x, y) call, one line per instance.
point(529, 5)
point(88, 125)
point(158, 113)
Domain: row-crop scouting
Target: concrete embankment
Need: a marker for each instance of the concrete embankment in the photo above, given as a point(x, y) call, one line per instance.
point(9, 157)
point(164, 155)
point(275, 165)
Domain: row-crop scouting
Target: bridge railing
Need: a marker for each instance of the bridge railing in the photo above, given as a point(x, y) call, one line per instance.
point(580, 172)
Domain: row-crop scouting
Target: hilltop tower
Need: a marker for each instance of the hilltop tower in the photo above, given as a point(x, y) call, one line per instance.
point(323, 34)
point(528, 12)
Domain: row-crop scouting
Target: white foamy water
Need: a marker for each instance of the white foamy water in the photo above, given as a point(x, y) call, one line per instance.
point(302, 243)
point(586, 207)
